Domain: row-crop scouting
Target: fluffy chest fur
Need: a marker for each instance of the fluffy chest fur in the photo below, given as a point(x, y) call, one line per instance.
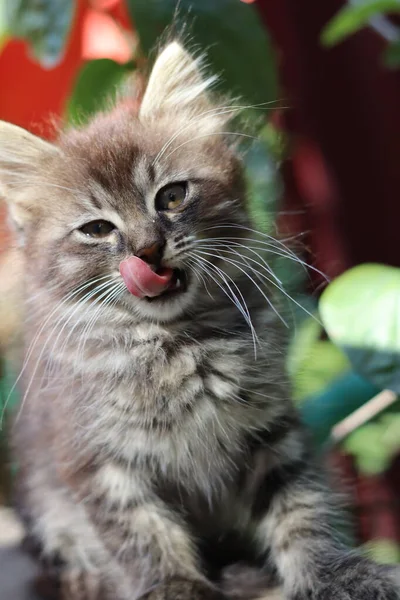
point(170, 401)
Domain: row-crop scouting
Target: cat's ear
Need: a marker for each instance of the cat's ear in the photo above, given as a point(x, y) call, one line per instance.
point(22, 154)
point(176, 84)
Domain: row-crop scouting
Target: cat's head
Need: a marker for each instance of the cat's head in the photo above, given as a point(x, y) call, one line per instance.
point(122, 202)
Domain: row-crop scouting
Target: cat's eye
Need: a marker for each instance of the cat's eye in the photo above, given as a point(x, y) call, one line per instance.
point(97, 229)
point(171, 196)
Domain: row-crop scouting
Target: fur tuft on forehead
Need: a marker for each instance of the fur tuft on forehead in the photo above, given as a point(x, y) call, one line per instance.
point(176, 84)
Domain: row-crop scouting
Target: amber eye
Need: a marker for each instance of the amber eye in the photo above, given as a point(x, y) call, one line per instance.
point(171, 196)
point(97, 229)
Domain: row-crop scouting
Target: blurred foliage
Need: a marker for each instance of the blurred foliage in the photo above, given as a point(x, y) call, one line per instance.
point(95, 88)
point(3, 24)
point(360, 311)
point(313, 361)
point(375, 444)
point(383, 551)
point(45, 24)
point(263, 184)
point(322, 411)
point(355, 16)
point(392, 55)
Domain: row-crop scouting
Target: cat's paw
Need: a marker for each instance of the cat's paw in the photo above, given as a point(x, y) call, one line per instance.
point(65, 583)
point(355, 579)
point(47, 583)
point(182, 589)
point(79, 584)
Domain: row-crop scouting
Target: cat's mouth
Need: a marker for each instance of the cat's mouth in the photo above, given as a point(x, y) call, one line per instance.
point(178, 284)
point(144, 282)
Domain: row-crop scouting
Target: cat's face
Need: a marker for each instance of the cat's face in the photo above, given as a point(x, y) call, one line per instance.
point(121, 204)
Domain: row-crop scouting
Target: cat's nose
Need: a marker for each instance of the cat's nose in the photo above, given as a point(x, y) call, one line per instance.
point(151, 254)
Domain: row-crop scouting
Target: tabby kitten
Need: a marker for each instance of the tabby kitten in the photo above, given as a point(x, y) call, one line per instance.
point(156, 440)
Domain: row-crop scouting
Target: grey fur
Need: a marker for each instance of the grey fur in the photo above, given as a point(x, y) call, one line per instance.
point(157, 442)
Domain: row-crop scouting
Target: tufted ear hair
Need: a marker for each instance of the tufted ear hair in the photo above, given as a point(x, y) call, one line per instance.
point(176, 84)
point(21, 155)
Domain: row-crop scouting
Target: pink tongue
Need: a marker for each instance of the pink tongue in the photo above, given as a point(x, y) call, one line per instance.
point(141, 280)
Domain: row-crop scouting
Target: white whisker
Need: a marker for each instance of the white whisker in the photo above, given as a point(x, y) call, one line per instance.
point(92, 294)
point(36, 337)
point(106, 298)
point(214, 133)
point(221, 110)
point(239, 265)
point(271, 243)
point(241, 305)
point(227, 246)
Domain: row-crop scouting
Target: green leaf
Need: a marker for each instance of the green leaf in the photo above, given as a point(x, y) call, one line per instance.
point(392, 55)
point(276, 140)
point(95, 87)
point(360, 311)
point(4, 35)
point(390, 435)
point(320, 413)
point(262, 185)
point(375, 444)
point(384, 551)
point(365, 444)
point(354, 17)
point(45, 24)
point(313, 363)
point(9, 393)
point(228, 30)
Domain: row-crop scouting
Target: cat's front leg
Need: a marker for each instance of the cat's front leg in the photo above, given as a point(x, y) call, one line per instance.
point(149, 541)
point(293, 524)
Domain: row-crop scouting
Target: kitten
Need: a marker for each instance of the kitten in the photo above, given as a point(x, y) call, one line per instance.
point(156, 440)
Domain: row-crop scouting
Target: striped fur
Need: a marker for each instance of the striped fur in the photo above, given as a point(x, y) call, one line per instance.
point(159, 451)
